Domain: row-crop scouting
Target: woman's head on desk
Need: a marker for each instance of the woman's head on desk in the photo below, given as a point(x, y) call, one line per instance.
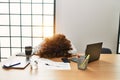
point(55, 46)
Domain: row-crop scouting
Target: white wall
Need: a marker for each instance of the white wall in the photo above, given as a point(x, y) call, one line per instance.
point(88, 21)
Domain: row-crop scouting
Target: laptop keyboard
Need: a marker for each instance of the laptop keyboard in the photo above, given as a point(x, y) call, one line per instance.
point(74, 59)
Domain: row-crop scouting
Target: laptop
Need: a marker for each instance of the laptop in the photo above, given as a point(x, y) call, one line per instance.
point(93, 50)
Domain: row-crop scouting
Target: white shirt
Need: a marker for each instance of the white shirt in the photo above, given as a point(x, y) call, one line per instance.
point(74, 50)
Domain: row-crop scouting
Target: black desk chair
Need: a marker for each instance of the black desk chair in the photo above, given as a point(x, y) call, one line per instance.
point(106, 51)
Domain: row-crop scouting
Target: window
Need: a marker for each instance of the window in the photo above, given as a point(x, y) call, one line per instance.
point(118, 41)
point(24, 23)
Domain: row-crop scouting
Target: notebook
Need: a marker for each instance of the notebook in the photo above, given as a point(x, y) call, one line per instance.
point(17, 63)
point(93, 50)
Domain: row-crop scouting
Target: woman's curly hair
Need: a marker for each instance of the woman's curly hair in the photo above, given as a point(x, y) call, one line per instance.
point(55, 46)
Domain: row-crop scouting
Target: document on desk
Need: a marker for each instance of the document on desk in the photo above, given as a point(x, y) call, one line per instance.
point(48, 64)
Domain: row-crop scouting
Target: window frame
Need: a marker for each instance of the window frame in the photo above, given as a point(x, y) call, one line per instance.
point(13, 25)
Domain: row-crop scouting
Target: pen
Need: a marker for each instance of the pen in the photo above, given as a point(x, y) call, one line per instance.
point(4, 66)
point(51, 65)
point(47, 64)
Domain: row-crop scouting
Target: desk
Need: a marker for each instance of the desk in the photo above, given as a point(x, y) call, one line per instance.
point(107, 68)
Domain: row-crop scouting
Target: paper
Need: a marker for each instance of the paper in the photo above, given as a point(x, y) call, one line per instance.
point(48, 64)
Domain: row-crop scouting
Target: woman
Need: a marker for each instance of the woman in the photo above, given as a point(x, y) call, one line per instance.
point(56, 46)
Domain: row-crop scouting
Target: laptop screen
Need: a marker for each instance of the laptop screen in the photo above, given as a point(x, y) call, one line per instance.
point(94, 51)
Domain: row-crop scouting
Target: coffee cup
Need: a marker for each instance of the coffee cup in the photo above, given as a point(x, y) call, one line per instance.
point(28, 50)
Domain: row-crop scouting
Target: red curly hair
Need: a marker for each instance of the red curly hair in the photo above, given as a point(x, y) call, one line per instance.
point(55, 46)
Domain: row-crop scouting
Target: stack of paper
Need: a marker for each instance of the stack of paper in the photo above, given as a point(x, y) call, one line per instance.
point(48, 64)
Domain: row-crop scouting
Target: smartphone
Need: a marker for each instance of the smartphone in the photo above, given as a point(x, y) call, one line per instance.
point(65, 60)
